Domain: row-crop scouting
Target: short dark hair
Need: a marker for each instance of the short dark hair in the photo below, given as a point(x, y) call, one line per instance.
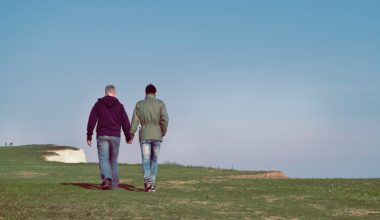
point(150, 89)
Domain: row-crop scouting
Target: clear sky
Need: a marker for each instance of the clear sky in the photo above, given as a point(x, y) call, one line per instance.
point(261, 85)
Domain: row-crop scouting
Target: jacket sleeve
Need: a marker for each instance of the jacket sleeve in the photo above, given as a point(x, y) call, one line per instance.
point(164, 119)
point(135, 121)
point(92, 120)
point(125, 124)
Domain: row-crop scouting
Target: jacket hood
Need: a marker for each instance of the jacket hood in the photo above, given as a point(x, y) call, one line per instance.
point(109, 101)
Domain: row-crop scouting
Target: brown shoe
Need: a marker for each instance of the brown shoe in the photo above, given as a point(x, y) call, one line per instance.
point(148, 186)
point(106, 185)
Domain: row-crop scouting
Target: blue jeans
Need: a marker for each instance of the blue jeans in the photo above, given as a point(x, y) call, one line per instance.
point(108, 151)
point(149, 154)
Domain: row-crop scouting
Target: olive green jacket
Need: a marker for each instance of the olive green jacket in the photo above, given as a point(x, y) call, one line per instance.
point(151, 114)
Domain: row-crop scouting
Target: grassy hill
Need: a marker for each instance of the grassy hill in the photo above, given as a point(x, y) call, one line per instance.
point(31, 188)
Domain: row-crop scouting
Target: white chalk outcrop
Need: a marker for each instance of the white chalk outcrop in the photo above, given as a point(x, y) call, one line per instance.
point(67, 156)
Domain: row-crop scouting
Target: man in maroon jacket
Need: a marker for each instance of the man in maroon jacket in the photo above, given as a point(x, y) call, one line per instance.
point(110, 116)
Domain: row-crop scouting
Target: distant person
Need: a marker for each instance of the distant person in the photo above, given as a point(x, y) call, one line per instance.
point(110, 116)
point(151, 114)
point(6, 144)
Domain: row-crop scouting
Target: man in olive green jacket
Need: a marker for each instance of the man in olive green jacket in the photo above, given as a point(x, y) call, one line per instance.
point(151, 114)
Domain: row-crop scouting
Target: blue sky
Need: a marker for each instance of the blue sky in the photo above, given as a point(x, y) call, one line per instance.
point(260, 85)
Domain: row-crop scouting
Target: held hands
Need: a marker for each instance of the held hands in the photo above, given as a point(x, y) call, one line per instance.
point(130, 140)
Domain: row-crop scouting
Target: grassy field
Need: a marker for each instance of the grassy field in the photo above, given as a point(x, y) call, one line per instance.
point(31, 188)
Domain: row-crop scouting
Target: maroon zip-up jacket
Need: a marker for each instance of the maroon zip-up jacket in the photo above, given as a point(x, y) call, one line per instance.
point(110, 116)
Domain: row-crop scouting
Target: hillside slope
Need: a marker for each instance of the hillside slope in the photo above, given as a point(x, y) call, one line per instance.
point(32, 188)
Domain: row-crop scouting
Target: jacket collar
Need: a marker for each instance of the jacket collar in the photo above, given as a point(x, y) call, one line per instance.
point(150, 96)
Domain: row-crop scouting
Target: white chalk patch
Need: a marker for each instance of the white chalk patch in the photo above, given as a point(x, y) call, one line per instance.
point(67, 156)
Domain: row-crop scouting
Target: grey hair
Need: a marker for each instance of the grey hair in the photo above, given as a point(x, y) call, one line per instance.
point(109, 88)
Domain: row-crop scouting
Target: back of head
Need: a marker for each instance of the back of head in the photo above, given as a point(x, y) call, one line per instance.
point(110, 90)
point(150, 89)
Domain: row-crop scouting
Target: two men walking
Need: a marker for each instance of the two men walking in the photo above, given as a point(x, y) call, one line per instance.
point(110, 117)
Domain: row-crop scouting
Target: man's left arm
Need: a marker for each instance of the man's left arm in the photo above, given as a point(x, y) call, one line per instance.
point(135, 121)
point(164, 119)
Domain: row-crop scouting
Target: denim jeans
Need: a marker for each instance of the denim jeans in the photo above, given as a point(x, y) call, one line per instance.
point(149, 154)
point(108, 151)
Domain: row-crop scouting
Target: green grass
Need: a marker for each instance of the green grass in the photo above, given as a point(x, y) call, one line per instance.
point(31, 188)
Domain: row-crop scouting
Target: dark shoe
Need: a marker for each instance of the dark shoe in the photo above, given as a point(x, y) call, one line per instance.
point(148, 186)
point(106, 185)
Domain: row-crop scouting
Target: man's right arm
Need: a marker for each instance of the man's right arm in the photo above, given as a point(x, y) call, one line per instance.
point(126, 125)
point(92, 120)
point(135, 121)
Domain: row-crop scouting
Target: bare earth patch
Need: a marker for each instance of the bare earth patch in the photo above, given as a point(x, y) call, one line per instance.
point(273, 218)
point(270, 199)
point(318, 206)
point(186, 186)
point(267, 175)
point(228, 188)
point(189, 202)
point(297, 198)
point(208, 179)
point(29, 174)
point(182, 182)
point(360, 212)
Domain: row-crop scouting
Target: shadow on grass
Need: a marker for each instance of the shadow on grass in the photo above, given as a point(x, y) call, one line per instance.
point(94, 186)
